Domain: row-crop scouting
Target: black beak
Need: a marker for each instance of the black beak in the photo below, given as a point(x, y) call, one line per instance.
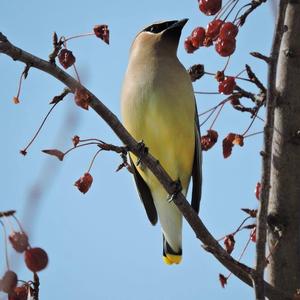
point(178, 24)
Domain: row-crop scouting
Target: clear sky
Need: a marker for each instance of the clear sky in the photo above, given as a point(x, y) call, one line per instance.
point(101, 245)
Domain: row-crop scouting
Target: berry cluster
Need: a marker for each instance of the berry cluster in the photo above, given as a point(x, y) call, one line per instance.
point(36, 259)
point(218, 31)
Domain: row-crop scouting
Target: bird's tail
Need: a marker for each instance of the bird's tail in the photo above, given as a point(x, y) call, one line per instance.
point(169, 255)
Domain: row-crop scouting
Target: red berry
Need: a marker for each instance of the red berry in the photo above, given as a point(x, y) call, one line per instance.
point(66, 58)
point(228, 30)
point(9, 281)
point(188, 45)
point(253, 235)
point(213, 28)
point(36, 259)
point(225, 47)
point(84, 183)
point(227, 86)
point(207, 42)
point(197, 37)
point(210, 7)
point(19, 241)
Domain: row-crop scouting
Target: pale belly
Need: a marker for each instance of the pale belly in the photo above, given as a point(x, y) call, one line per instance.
point(165, 122)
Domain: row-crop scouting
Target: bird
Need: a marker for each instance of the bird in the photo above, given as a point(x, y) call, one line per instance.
point(158, 108)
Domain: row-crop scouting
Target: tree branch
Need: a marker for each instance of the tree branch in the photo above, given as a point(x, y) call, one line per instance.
point(266, 157)
point(210, 244)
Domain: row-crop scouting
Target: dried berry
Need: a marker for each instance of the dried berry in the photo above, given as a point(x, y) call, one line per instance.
point(227, 86)
point(188, 45)
point(16, 100)
point(257, 190)
point(84, 183)
point(196, 72)
point(82, 98)
point(208, 140)
point(238, 140)
point(19, 241)
point(23, 152)
point(102, 32)
point(20, 293)
point(229, 243)
point(234, 101)
point(231, 140)
point(220, 76)
point(9, 281)
point(54, 152)
point(228, 30)
point(213, 28)
point(36, 259)
point(197, 37)
point(210, 7)
point(223, 280)
point(225, 47)
point(75, 140)
point(228, 145)
point(66, 58)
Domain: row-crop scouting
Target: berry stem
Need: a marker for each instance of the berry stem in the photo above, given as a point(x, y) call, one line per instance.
point(237, 230)
point(227, 63)
point(18, 222)
point(251, 123)
point(224, 9)
point(20, 85)
point(82, 145)
point(207, 118)
point(237, 77)
point(252, 134)
point(237, 14)
point(78, 36)
point(5, 245)
point(217, 115)
point(90, 140)
point(39, 129)
point(232, 8)
point(207, 93)
point(240, 74)
point(244, 250)
point(93, 159)
point(76, 72)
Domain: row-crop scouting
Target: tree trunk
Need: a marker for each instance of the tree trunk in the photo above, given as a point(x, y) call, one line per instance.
point(284, 201)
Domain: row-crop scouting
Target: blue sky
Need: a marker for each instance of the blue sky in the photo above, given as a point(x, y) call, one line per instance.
point(101, 244)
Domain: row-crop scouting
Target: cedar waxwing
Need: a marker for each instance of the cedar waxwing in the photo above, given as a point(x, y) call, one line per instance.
point(158, 107)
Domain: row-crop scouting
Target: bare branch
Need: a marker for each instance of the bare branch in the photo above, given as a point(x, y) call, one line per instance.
point(210, 244)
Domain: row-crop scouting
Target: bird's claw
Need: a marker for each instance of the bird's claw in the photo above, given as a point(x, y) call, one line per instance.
point(142, 150)
point(177, 189)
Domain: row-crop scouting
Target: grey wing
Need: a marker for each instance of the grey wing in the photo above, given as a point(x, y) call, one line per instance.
point(197, 167)
point(145, 194)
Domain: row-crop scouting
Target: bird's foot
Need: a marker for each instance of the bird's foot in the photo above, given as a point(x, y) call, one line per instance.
point(142, 150)
point(177, 189)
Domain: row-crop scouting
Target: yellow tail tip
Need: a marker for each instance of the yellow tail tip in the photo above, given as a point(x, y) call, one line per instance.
point(170, 259)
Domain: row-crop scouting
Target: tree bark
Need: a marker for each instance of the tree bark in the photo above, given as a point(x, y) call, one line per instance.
point(284, 201)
